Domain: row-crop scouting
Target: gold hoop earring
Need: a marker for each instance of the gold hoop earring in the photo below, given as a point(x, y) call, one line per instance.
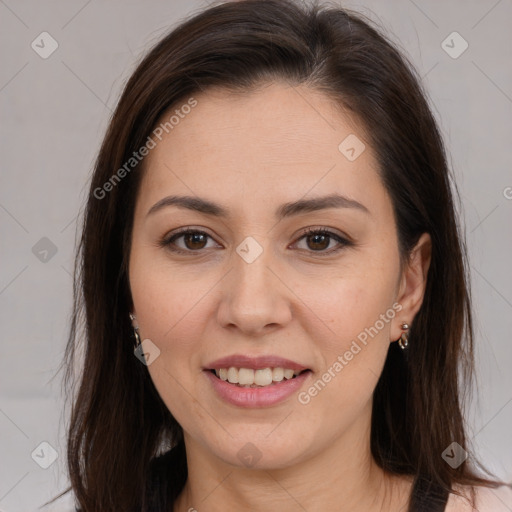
point(135, 330)
point(404, 338)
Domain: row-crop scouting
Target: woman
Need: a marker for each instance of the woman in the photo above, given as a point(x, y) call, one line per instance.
point(272, 280)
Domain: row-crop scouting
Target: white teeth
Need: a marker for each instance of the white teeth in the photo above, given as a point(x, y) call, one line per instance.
point(245, 376)
point(288, 374)
point(263, 377)
point(278, 374)
point(248, 377)
point(233, 375)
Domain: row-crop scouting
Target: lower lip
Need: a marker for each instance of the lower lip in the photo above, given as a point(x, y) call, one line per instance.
point(256, 397)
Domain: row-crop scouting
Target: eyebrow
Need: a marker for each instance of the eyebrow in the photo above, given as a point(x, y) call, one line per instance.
point(207, 207)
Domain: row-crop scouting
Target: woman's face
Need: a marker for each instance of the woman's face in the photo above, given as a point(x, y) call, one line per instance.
point(252, 286)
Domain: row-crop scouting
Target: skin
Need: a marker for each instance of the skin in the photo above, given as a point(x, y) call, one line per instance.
point(251, 153)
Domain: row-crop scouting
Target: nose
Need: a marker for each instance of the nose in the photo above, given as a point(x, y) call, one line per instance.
point(255, 298)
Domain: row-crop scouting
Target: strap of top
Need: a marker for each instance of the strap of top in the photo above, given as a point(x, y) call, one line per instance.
point(428, 497)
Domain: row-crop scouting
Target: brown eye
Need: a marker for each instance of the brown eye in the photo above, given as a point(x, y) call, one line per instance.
point(193, 241)
point(319, 240)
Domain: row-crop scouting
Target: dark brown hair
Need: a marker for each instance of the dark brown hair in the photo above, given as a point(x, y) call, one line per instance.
point(119, 425)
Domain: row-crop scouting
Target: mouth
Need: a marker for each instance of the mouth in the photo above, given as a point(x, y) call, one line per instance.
point(262, 381)
point(256, 378)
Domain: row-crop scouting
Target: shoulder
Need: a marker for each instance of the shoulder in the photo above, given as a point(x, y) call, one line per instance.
point(487, 499)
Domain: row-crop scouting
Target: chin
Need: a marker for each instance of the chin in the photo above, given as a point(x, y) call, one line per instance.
point(260, 452)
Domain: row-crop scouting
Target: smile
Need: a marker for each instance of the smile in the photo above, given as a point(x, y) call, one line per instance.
point(248, 377)
point(255, 381)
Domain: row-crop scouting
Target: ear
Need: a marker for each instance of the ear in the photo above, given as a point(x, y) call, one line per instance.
point(413, 282)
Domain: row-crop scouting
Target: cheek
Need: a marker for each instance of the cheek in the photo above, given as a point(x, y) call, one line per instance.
point(175, 385)
point(169, 311)
point(173, 318)
point(356, 313)
point(353, 303)
point(168, 301)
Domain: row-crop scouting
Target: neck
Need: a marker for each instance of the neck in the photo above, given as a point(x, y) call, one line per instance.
point(343, 477)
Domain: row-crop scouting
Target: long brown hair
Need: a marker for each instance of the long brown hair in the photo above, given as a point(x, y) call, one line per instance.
point(119, 424)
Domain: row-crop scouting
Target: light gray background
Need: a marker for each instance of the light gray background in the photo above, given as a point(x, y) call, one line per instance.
point(54, 113)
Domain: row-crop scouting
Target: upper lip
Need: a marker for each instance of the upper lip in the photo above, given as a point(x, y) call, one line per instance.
point(256, 363)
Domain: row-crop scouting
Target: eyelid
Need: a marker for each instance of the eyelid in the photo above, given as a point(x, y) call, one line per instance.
point(326, 229)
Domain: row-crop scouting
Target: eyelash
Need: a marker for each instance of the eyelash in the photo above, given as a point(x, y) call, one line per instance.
point(167, 241)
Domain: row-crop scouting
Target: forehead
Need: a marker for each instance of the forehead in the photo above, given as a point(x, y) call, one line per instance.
point(273, 140)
